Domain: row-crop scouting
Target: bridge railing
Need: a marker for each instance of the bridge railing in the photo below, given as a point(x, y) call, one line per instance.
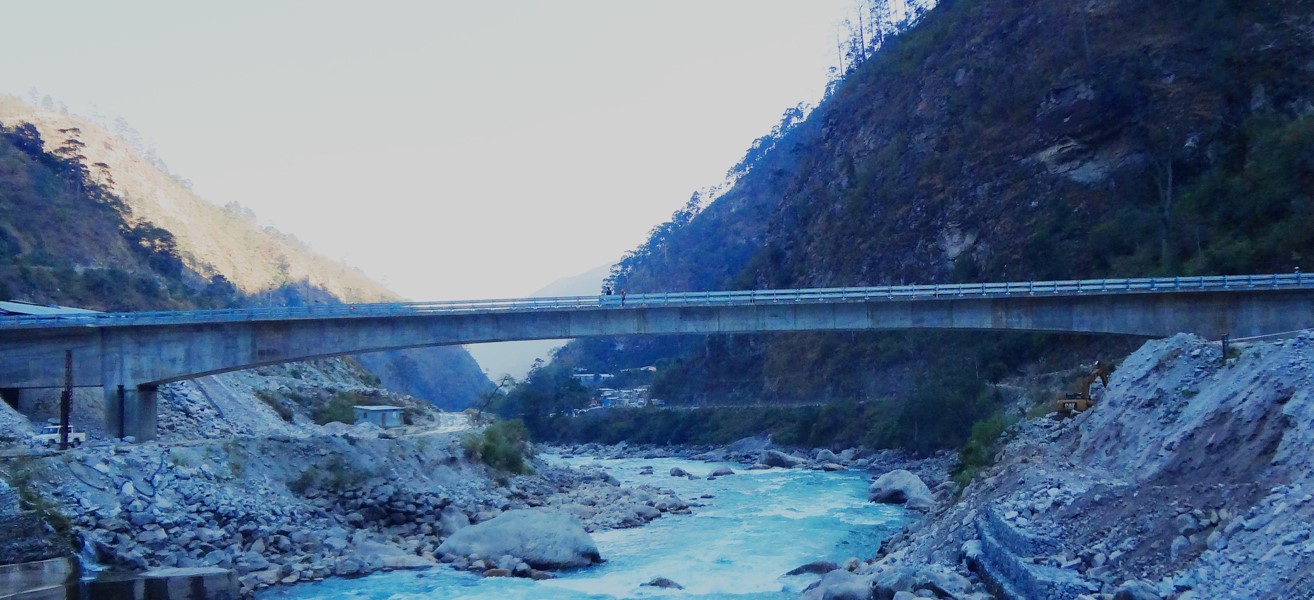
point(1156, 285)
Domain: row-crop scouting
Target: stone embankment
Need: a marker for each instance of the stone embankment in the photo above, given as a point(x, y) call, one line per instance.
point(1188, 480)
point(286, 509)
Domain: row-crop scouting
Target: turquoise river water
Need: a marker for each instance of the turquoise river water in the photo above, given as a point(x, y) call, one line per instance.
point(756, 526)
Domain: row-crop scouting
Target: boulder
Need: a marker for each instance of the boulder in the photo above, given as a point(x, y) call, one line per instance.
point(678, 472)
point(721, 472)
point(820, 567)
point(542, 538)
point(646, 513)
point(776, 458)
point(839, 585)
point(942, 581)
point(901, 487)
point(451, 519)
point(1136, 590)
point(662, 582)
point(347, 567)
point(750, 445)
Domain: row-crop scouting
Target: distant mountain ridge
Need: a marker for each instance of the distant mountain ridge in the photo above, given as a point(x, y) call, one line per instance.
point(516, 358)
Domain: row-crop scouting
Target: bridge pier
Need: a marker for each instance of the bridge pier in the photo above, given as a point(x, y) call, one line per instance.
point(131, 411)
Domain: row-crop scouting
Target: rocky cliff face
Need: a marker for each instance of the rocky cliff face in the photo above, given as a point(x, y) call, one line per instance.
point(1187, 480)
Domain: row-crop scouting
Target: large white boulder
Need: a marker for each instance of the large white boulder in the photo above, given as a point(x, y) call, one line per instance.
point(544, 539)
point(901, 487)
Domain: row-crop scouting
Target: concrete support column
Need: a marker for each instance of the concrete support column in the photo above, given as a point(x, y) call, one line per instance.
point(114, 424)
point(141, 412)
point(131, 411)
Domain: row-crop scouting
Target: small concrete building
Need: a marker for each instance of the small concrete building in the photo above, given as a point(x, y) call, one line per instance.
point(383, 416)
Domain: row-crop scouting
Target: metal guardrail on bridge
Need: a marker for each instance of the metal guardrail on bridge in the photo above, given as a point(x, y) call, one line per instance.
point(1154, 285)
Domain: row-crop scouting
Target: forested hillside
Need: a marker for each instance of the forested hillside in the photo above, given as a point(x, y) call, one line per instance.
point(86, 221)
point(996, 140)
point(66, 238)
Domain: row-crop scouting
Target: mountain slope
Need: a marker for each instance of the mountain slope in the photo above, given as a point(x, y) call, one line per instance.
point(999, 140)
point(211, 240)
point(87, 221)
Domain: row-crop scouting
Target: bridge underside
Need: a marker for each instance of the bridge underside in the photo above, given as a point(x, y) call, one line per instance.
point(130, 362)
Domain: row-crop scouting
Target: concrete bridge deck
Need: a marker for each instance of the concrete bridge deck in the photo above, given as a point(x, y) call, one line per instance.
point(130, 354)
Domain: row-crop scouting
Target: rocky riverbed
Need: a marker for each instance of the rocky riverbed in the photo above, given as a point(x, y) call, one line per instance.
point(281, 510)
point(920, 484)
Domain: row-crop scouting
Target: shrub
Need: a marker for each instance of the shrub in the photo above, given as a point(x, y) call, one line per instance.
point(337, 475)
point(21, 475)
point(339, 408)
point(271, 399)
point(304, 481)
point(979, 451)
point(503, 445)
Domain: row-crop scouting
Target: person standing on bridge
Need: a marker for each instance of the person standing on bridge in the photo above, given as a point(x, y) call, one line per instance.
point(622, 297)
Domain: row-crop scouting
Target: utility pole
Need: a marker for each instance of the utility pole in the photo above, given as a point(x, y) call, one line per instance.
point(66, 400)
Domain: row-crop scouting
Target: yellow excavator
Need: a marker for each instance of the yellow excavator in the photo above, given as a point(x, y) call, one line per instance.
point(1080, 401)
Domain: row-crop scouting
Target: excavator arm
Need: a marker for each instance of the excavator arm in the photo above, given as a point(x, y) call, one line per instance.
point(1081, 400)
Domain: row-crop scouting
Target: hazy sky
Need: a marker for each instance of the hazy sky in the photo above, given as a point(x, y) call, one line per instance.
point(448, 149)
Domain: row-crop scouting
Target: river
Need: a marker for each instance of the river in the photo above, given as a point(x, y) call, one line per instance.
point(755, 526)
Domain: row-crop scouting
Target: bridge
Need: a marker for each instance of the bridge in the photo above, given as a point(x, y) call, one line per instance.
point(129, 355)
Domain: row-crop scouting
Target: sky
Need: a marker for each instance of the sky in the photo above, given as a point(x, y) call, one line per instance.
point(450, 150)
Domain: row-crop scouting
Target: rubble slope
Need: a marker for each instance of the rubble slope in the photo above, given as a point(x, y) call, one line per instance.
point(1188, 479)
